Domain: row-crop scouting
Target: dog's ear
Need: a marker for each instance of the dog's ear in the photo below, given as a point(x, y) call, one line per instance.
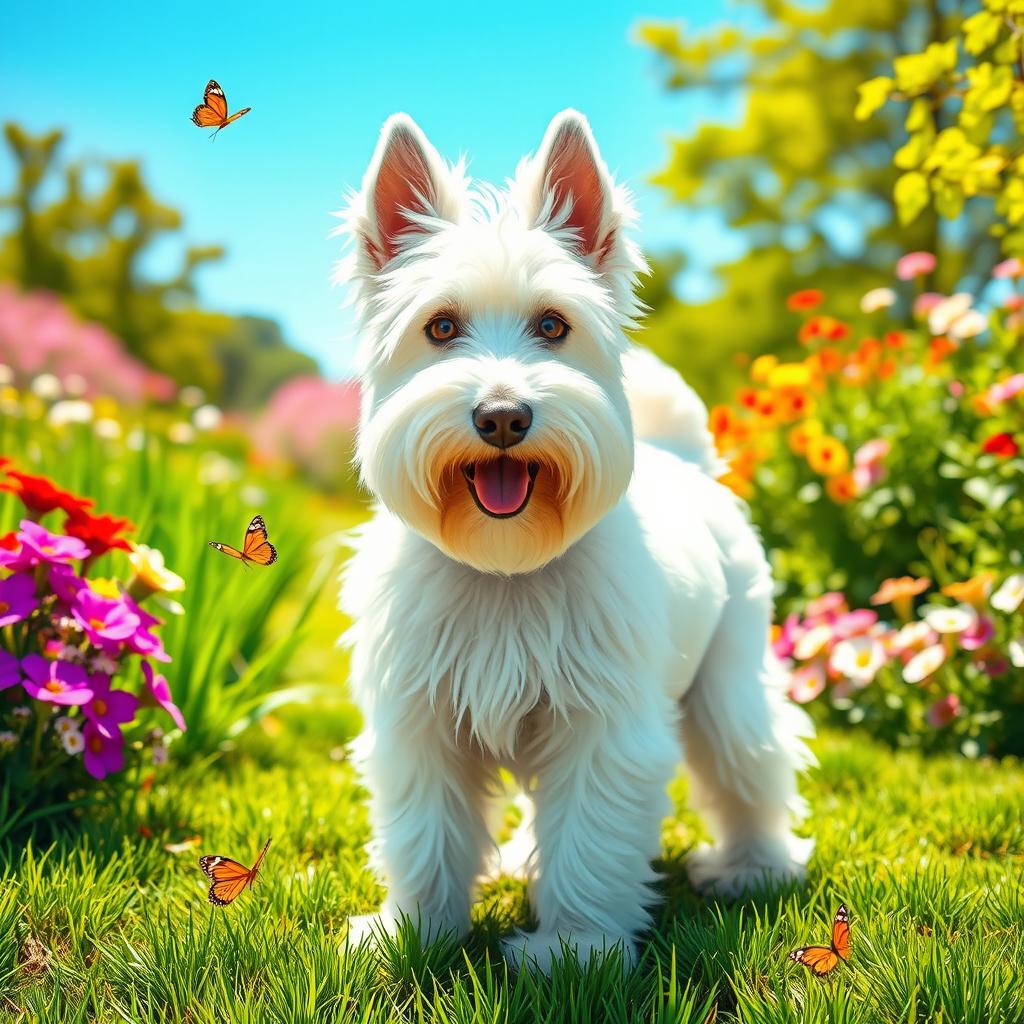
point(566, 185)
point(406, 186)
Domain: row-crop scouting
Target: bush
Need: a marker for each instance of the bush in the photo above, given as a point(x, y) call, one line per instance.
point(894, 446)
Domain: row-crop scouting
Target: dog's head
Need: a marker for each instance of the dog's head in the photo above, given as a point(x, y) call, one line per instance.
point(494, 420)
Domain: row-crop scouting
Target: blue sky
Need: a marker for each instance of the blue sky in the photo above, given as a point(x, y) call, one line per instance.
point(321, 77)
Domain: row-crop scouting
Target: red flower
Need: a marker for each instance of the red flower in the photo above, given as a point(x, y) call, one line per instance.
point(809, 298)
point(40, 495)
point(100, 533)
point(1002, 445)
point(9, 541)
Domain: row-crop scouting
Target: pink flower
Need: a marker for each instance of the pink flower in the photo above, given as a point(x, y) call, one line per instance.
point(789, 633)
point(854, 623)
point(109, 708)
point(104, 753)
point(813, 642)
point(992, 663)
point(977, 634)
point(1008, 268)
point(144, 641)
point(943, 711)
point(807, 682)
point(914, 264)
point(831, 603)
point(871, 452)
point(1006, 389)
point(56, 682)
point(925, 303)
point(107, 623)
point(161, 692)
point(956, 388)
point(17, 599)
point(39, 546)
point(10, 671)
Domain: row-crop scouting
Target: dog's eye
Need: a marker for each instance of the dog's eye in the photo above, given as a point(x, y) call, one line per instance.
point(552, 327)
point(442, 329)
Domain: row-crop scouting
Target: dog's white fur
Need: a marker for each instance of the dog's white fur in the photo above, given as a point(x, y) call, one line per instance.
point(622, 615)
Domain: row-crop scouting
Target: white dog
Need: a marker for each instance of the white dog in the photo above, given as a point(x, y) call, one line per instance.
point(552, 581)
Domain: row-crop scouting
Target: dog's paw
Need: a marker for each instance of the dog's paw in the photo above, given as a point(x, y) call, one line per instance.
point(540, 950)
point(742, 867)
point(369, 928)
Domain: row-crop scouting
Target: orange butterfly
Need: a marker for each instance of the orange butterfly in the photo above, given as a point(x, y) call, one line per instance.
point(213, 111)
point(255, 548)
point(229, 877)
point(822, 960)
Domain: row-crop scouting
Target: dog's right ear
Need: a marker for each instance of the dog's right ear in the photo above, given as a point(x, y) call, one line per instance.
point(407, 185)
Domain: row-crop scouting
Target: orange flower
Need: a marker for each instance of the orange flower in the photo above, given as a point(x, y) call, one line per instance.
point(747, 397)
point(737, 484)
point(793, 405)
point(974, 591)
point(721, 420)
point(800, 436)
point(827, 455)
point(809, 298)
point(868, 350)
point(842, 488)
point(886, 368)
point(830, 359)
point(900, 593)
point(939, 350)
point(767, 406)
point(826, 327)
point(895, 339)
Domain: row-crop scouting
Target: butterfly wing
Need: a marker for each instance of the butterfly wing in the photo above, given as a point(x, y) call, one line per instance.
point(842, 943)
point(259, 859)
point(229, 879)
point(227, 549)
point(819, 960)
point(256, 548)
point(214, 108)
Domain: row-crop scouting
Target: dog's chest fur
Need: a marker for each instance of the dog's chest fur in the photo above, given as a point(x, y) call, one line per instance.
point(486, 651)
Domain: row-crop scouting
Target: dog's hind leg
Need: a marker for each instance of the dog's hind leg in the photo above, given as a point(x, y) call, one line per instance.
point(744, 740)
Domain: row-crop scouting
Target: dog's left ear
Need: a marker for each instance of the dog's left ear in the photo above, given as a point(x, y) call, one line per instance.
point(567, 186)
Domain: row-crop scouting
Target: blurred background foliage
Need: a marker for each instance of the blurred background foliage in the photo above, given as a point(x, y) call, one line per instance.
point(805, 187)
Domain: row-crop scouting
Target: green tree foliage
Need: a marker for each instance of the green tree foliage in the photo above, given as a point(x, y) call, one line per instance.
point(90, 245)
point(964, 104)
point(807, 186)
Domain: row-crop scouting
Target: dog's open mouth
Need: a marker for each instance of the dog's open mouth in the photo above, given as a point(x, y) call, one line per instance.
point(501, 487)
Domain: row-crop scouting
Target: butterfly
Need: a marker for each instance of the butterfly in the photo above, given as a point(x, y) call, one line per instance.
point(213, 111)
point(255, 548)
point(822, 960)
point(229, 877)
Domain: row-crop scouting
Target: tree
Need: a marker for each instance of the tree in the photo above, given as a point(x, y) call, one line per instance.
point(806, 185)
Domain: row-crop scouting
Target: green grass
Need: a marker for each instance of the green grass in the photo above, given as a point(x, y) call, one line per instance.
point(107, 925)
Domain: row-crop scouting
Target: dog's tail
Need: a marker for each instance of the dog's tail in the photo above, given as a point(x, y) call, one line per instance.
point(666, 410)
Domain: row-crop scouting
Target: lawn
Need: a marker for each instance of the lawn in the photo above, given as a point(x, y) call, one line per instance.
point(111, 923)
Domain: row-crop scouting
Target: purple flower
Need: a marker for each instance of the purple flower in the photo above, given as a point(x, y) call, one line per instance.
point(161, 692)
point(143, 641)
point(107, 623)
point(10, 671)
point(109, 708)
point(103, 754)
point(58, 682)
point(39, 546)
point(66, 583)
point(978, 634)
point(17, 599)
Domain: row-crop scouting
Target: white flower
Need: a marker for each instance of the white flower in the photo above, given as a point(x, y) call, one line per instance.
point(914, 636)
point(207, 417)
point(149, 566)
point(1016, 649)
point(812, 642)
point(22, 712)
point(807, 682)
point(108, 429)
point(69, 411)
point(6, 375)
point(136, 439)
point(876, 299)
point(181, 433)
point(8, 740)
point(72, 742)
point(101, 663)
point(946, 313)
point(924, 664)
point(970, 325)
point(859, 658)
point(46, 386)
point(65, 725)
point(951, 620)
point(1009, 596)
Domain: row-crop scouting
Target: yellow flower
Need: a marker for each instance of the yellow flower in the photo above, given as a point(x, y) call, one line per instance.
point(151, 575)
point(789, 375)
point(827, 455)
point(762, 366)
point(800, 436)
point(105, 587)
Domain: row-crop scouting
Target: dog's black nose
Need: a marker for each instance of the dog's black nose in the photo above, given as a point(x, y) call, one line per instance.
point(503, 423)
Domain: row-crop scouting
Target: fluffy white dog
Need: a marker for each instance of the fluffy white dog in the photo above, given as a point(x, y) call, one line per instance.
point(552, 581)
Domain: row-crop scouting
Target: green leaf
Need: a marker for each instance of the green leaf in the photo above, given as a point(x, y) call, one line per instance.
point(911, 195)
point(872, 96)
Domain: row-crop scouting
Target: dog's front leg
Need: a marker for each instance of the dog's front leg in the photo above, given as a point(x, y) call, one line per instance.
point(427, 801)
point(600, 800)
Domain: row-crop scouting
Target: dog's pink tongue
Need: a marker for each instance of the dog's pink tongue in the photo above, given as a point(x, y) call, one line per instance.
point(501, 485)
